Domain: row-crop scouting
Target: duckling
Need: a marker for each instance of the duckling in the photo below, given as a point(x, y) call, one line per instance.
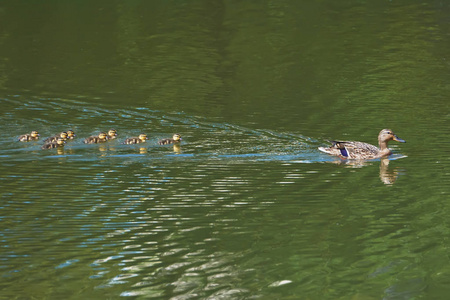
point(58, 143)
point(360, 150)
point(63, 135)
point(70, 135)
point(175, 139)
point(136, 140)
point(101, 138)
point(34, 135)
point(112, 134)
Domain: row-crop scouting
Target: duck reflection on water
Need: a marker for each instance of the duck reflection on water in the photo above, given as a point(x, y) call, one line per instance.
point(387, 175)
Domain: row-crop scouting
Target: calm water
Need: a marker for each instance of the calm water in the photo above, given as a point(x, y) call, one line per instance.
point(246, 207)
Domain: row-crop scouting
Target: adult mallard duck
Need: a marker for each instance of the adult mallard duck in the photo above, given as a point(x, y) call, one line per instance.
point(34, 135)
point(360, 150)
point(63, 135)
point(112, 134)
point(95, 139)
point(136, 140)
point(58, 143)
point(175, 139)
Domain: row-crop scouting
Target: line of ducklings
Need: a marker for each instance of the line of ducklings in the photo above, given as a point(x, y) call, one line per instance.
point(60, 139)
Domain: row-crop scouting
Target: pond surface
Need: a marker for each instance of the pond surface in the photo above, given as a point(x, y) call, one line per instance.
point(245, 207)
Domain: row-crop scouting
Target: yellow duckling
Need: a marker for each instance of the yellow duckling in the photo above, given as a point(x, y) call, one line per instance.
point(101, 138)
point(63, 135)
point(360, 150)
point(175, 139)
point(58, 143)
point(136, 140)
point(112, 134)
point(70, 135)
point(33, 136)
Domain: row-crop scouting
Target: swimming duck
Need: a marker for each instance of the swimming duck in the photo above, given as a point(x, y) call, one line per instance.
point(58, 143)
point(136, 140)
point(112, 134)
point(101, 138)
point(360, 150)
point(34, 135)
point(175, 139)
point(70, 135)
point(63, 135)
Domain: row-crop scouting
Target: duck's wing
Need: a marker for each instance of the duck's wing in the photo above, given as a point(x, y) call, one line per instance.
point(356, 149)
point(132, 140)
point(165, 141)
point(350, 149)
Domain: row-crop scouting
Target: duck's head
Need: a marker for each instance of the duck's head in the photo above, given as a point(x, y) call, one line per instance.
point(34, 134)
point(112, 133)
point(102, 135)
point(60, 141)
point(143, 137)
point(70, 134)
point(176, 137)
point(63, 135)
point(387, 135)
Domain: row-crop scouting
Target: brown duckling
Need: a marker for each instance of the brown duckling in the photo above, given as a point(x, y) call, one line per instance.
point(136, 140)
point(58, 143)
point(70, 135)
point(63, 135)
point(175, 139)
point(112, 134)
point(101, 138)
point(33, 136)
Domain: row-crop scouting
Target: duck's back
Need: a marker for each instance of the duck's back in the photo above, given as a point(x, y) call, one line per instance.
point(25, 138)
point(353, 149)
point(166, 141)
point(51, 139)
point(133, 140)
point(93, 140)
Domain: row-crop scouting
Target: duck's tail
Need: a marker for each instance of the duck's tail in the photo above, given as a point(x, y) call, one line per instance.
point(325, 150)
point(331, 151)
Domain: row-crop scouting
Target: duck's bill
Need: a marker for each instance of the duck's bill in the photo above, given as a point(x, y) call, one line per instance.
point(396, 138)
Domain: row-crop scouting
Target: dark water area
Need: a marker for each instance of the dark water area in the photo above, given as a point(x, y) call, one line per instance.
point(245, 207)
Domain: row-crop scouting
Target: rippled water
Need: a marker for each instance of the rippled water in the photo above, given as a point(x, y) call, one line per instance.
point(245, 207)
point(231, 212)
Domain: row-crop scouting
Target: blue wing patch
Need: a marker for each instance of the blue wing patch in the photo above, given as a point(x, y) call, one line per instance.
point(344, 152)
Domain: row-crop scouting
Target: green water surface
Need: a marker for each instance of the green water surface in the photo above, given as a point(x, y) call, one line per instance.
point(245, 207)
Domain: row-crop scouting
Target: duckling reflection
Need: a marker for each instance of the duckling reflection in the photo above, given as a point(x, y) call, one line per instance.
point(177, 148)
point(60, 151)
point(33, 136)
point(142, 150)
